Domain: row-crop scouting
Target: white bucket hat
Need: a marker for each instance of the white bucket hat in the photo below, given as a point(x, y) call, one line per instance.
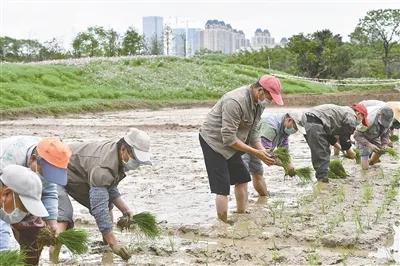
point(140, 143)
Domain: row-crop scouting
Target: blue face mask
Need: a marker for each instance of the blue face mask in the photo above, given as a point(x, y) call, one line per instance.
point(290, 131)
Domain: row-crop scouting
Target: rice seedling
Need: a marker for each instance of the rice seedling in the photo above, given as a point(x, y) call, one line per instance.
point(378, 213)
point(12, 257)
point(336, 170)
point(273, 213)
point(145, 222)
point(342, 216)
point(391, 152)
point(288, 223)
point(341, 194)
point(358, 222)
point(282, 154)
point(171, 243)
point(394, 138)
point(313, 258)
point(368, 193)
point(331, 225)
point(277, 257)
point(304, 174)
point(76, 240)
point(280, 205)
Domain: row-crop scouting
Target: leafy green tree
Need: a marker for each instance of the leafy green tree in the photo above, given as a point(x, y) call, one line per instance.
point(320, 55)
point(96, 41)
point(379, 28)
point(132, 42)
point(9, 49)
point(52, 49)
point(86, 44)
point(112, 45)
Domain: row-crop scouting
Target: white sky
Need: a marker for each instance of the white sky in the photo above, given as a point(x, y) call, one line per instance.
point(43, 20)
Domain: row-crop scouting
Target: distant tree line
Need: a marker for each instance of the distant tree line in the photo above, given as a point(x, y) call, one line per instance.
point(373, 49)
point(95, 41)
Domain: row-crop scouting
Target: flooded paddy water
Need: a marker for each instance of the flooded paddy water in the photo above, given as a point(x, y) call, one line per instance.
point(350, 221)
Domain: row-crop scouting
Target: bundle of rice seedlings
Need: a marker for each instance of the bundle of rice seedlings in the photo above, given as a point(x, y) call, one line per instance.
point(336, 170)
point(76, 240)
point(394, 138)
point(283, 155)
point(144, 221)
point(12, 257)
point(304, 174)
point(391, 152)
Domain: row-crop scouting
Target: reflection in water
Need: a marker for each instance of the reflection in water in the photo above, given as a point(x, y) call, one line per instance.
point(107, 258)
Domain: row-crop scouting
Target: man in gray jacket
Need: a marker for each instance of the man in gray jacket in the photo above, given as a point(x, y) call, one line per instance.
point(230, 130)
point(322, 123)
point(94, 172)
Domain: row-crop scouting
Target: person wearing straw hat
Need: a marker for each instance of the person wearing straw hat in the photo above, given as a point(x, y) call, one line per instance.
point(230, 130)
point(322, 124)
point(48, 157)
point(373, 138)
point(275, 130)
point(94, 172)
point(21, 208)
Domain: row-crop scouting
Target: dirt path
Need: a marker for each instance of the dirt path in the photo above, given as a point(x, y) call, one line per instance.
point(349, 221)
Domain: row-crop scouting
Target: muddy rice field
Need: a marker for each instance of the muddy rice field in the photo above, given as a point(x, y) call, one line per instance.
point(352, 221)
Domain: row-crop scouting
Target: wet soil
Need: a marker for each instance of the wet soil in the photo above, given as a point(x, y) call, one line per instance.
point(335, 224)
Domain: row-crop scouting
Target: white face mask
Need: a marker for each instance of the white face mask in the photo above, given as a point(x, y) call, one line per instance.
point(15, 216)
point(132, 164)
point(264, 103)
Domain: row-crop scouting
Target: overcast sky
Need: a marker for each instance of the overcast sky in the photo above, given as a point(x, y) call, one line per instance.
point(43, 20)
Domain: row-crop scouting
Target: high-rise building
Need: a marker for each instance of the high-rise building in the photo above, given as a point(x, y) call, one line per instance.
point(185, 42)
point(261, 39)
point(193, 41)
point(153, 32)
point(218, 36)
point(179, 42)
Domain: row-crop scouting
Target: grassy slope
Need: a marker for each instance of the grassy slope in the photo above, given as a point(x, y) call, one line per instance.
point(126, 83)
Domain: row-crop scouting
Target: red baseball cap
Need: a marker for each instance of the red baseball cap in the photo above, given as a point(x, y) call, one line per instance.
point(359, 107)
point(273, 86)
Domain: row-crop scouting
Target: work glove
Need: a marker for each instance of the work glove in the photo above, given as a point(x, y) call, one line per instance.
point(121, 251)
